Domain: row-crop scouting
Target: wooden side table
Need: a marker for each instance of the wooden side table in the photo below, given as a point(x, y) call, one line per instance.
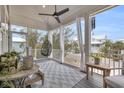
point(106, 71)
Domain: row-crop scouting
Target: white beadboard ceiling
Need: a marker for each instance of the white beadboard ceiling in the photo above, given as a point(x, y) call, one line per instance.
point(27, 15)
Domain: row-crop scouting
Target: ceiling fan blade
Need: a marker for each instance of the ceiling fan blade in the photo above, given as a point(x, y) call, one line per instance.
point(62, 11)
point(57, 19)
point(46, 14)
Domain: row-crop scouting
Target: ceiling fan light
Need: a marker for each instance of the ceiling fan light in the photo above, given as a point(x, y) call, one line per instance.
point(43, 6)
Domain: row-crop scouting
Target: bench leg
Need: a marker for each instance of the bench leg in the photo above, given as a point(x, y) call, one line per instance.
point(29, 86)
point(43, 79)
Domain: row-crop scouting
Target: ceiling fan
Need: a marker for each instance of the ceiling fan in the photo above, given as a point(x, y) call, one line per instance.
point(56, 14)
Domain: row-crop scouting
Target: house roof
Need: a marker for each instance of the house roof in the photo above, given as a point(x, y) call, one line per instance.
point(96, 42)
point(100, 37)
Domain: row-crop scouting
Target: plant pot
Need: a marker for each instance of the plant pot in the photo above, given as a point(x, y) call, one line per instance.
point(97, 61)
point(28, 62)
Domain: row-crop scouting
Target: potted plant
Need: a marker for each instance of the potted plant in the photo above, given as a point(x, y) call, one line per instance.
point(8, 63)
point(96, 59)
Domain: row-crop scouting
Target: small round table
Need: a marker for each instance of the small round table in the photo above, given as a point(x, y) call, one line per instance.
point(20, 75)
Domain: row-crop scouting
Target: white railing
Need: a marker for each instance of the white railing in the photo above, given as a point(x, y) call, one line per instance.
point(36, 53)
point(109, 61)
point(72, 58)
point(56, 54)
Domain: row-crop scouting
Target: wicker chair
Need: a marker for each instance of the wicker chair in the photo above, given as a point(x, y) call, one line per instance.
point(34, 78)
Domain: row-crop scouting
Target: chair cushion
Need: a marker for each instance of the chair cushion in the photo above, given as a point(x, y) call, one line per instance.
point(115, 81)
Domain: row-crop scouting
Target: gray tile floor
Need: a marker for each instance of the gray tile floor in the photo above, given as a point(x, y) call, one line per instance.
point(69, 77)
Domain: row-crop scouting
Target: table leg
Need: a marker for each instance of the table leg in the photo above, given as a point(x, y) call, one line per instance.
point(108, 72)
point(91, 71)
point(22, 82)
point(87, 71)
point(104, 83)
point(105, 73)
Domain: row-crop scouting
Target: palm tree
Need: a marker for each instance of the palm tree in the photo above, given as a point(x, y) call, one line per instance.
point(56, 40)
point(107, 47)
point(33, 37)
point(67, 43)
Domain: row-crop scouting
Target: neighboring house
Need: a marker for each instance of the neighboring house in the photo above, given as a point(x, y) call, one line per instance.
point(97, 43)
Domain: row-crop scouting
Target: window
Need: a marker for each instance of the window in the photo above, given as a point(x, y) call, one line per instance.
point(71, 43)
point(16, 28)
point(36, 38)
point(19, 43)
point(19, 39)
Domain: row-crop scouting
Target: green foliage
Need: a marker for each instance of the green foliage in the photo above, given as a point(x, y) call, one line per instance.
point(107, 46)
point(118, 45)
point(6, 84)
point(113, 49)
point(75, 47)
point(70, 45)
point(14, 53)
point(8, 61)
point(33, 37)
point(96, 58)
point(8, 55)
point(56, 40)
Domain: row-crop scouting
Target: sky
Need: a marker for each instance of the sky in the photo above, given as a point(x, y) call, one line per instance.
point(111, 23)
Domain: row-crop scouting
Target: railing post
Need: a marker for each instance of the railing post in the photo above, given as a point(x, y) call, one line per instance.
point(35, 53)
point(123, 64)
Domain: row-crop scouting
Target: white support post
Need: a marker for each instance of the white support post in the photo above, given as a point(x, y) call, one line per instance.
point(50, 38)
point(35, 53)
point(9, 30)
point(5, 39)
point(62, 43)
point(28, 51)
point(87, 37)
point(80, 39)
